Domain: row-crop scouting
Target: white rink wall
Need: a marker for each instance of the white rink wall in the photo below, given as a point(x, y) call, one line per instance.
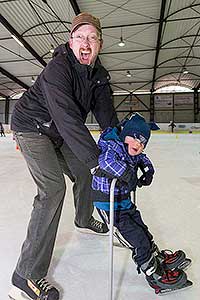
point(180, 127)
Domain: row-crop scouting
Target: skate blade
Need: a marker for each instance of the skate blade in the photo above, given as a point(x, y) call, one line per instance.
point(185, 264)
point(17, 294)
point(169, 291)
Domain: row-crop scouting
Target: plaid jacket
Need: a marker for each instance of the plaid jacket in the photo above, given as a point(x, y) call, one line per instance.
point(115, 160)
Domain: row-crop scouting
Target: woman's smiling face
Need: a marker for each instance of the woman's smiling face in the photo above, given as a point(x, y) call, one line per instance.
point(86, 44)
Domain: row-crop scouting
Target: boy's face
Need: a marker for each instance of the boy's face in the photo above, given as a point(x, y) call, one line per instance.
point(86, 44)
point(135, 147)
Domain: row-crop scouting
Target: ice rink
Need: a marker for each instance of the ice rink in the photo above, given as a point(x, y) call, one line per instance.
point(170, 207)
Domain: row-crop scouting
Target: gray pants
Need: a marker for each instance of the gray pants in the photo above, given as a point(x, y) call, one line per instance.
point(46, 165)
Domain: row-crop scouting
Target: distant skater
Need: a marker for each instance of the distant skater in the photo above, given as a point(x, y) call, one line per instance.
point(172, 125)
point(2, 130)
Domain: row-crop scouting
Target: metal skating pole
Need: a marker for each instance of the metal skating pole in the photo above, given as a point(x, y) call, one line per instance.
point(133, 197)
point(112, 200)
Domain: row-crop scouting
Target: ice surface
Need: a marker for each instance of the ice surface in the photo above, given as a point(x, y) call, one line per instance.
point(170, 207)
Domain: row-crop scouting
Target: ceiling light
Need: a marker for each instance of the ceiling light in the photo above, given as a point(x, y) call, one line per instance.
point(185, 71)
point(17, 40)
point(52, 49)
point(128, 74)
point(121, 42)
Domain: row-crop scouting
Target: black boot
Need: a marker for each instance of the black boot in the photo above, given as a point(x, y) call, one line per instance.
point(32, 289)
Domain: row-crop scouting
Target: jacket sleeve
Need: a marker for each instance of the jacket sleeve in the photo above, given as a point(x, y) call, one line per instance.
point(103, 109)
point(109, 162)
point(56, 85)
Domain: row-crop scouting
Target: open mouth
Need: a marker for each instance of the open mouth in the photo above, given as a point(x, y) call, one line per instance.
point(134, 149)
point(85, 55)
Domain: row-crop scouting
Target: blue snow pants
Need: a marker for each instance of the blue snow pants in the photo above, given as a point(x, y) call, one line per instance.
point(132, 228)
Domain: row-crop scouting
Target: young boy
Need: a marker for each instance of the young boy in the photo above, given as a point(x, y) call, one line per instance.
point(120, 157)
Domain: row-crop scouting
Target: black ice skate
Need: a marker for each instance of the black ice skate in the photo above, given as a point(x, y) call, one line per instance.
point(164, 281)
point(23, 289)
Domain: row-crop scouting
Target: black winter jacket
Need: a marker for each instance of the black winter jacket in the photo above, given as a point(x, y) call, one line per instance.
point(58, 103)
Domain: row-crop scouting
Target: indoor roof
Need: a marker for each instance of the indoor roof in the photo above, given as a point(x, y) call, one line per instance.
point(162, 41)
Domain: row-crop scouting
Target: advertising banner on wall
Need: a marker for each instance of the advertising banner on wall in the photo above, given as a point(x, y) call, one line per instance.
point(183, 99)
point(163, 101)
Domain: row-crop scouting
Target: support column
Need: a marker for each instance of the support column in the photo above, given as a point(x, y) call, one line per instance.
point(152, 107)
point(196, 105)
point(173, 107)
point(7, 108)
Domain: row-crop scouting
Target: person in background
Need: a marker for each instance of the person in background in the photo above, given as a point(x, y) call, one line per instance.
point(121, 155)
point(2, 132)
point(48, 123)
point(172, 125)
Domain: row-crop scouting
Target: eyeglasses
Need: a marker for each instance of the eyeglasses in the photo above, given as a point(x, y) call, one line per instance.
point(91, 38)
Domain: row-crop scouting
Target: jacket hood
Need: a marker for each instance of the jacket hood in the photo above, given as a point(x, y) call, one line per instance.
point(110, 137)
point(111, 134)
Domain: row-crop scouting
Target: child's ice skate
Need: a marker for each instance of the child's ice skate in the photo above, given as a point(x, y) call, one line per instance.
point(164, 281)
point(172, 260)
point(169, 259)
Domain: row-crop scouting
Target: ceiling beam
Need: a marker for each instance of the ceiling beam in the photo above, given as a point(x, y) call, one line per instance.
point(150, 68)
point(3, 1)
point(127, 51)
point(130, 25)
point(14, 32)
point(198, 86)
point(13, 78)
point(161, 22)
point(181, 9)
point(159, 80)
point(184, 36)
point(2, 95)
point(75, 6)
point(148, 23)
